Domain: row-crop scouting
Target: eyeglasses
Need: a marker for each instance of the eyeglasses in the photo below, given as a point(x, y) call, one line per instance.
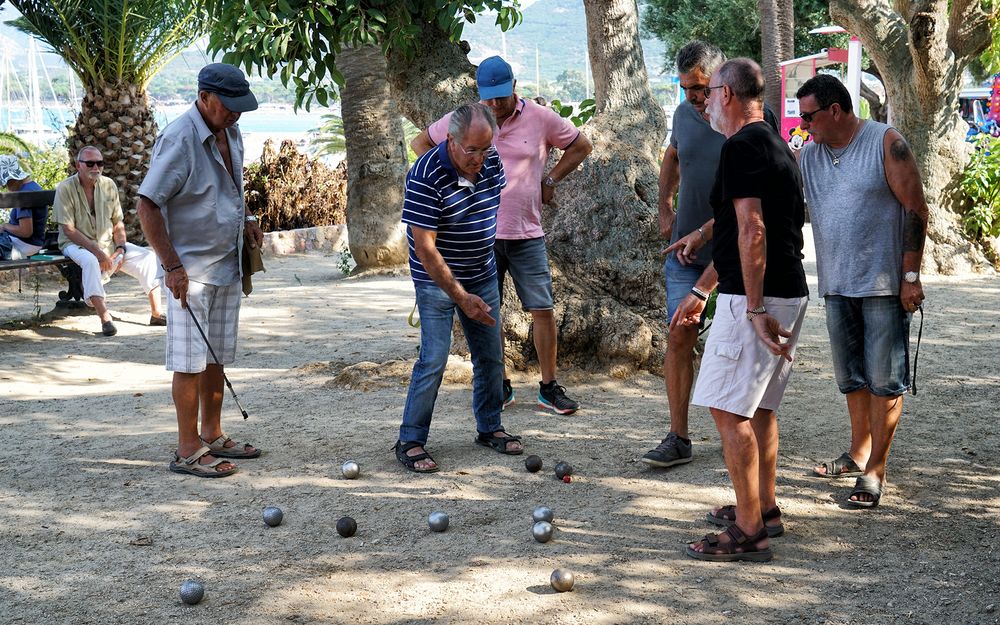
point(808, 117)
point(92, 163)
point(708, 90)
point(482, 152)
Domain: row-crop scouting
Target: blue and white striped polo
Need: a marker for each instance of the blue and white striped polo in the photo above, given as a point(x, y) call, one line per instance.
point(464, 215)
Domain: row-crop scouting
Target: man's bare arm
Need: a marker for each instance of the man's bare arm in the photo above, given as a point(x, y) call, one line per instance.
point(903, 176)
point(21, 230)
point(670, 180)
point(422, 143)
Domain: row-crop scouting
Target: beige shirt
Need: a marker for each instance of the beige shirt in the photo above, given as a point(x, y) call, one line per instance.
point(201, 203)
point(72, 209)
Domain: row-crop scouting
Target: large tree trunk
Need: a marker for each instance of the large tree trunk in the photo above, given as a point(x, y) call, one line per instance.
point(117, 120)
point(376, 160)
point(602, 228)
point(928, 47)
point(437, 80)
point(777, 22)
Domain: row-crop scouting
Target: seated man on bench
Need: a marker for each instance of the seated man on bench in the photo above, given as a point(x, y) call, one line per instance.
point(92, 233)
point(25, 234)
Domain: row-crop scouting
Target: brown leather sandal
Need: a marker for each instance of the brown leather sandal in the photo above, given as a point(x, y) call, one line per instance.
point(726, 516)
point(739, 547)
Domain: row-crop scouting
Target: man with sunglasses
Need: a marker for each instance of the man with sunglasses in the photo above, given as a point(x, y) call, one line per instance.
point(92, 234)
point(450, 211)
point(527, 132)
point(869, 221)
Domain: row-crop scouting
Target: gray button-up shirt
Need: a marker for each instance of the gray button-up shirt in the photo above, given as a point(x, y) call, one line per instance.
point(201, 203)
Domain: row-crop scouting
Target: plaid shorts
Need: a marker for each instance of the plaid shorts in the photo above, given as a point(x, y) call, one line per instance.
point(217, 309)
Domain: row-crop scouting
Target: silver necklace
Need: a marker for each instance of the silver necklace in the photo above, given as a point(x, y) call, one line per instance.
point(834, 156)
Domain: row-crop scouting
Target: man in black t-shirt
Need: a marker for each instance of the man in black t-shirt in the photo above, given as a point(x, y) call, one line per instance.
point(757, 264)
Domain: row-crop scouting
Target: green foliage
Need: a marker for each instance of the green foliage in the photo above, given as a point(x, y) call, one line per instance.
point(298, 40)
point(114, 41)
point(329, 139)
point(345, 261)
point(48, 167)
point(581, 117)
point(572, 84)
point(733, 25)
point(13, 144)
point(981, 184)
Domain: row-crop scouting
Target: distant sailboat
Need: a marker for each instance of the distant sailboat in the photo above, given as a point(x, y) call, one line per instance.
point(32, 129)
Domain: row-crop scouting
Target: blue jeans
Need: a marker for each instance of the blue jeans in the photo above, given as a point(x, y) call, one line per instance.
point(437, 311)
point(870, 343)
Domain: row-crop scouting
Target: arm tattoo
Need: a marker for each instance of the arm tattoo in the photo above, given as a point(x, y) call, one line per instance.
point(900, 150)
point(914, 230)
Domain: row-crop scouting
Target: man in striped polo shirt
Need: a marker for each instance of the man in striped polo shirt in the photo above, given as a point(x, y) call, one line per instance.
point(450, 208)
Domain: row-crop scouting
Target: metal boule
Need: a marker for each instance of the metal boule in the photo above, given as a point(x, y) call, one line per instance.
point(542, 531)
point(438, 521)
point(562, 469)
point(561, 580)
point(192, 592)
point(542, 513)
point(350, 470)
point(533, 463)
point(346, 526)
point(273, 516)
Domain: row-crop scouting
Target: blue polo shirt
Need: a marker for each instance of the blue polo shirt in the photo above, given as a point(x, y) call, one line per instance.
point(464, 214)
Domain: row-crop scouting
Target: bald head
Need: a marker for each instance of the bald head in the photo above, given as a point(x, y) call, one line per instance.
point(745, 78)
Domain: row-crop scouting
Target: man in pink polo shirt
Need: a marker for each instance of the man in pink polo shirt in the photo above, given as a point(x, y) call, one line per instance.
point(527, 132)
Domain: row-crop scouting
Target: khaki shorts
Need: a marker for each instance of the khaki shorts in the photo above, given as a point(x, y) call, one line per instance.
point(738, 373)
point(217, 309)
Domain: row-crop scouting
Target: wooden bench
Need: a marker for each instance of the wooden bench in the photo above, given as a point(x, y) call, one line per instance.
point(49, 254)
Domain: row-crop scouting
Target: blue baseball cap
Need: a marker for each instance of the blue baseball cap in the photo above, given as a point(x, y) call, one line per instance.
point(495, 78)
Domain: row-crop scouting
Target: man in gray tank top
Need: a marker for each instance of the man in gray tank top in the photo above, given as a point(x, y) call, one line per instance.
point(869, 221)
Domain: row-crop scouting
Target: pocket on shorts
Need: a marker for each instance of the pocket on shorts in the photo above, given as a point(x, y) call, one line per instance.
point(730, 351)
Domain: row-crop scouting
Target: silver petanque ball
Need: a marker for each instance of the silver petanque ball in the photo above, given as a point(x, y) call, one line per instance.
point(438, 521)
point(192, 592)
point(542, 531)
point(350, 470)
point(273, 516)
point(542, 513)
point(561, 580)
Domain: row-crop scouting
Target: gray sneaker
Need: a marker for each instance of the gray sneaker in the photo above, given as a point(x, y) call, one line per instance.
point(671, 451)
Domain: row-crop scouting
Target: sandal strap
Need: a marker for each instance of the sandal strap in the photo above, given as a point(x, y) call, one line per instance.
point(506, 438)
point(196, 456)
point(773, 513)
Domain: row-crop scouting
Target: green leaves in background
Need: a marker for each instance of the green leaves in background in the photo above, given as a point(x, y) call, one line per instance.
point(581, 117)
point(298, 40)
point(981, 184)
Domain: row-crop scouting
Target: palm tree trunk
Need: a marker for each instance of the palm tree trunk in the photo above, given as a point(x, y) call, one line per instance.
point(117, 120)
point(376, 160)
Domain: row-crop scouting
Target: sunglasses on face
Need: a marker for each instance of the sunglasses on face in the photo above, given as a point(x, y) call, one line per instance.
point(92, 163)
point(808, 117)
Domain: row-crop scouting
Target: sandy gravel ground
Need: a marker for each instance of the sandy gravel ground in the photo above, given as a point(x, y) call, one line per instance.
point(94, 529)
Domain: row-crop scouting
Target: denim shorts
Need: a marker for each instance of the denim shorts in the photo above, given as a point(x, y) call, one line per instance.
point(869, 338)
point(528, 264)
point(678, 279)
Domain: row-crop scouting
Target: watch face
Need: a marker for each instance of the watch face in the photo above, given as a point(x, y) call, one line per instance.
point(910, 276)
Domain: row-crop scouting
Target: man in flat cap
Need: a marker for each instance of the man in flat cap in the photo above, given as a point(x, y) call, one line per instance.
point(192, 212)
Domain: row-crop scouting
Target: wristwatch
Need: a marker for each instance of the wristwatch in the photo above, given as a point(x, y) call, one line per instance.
point(756, 312)
point(251, 217)
point(549, 181)
point(911, 277)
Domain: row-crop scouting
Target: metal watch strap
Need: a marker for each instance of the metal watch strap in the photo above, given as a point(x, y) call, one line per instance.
point(756, 312)
point(251, 218)
point(699, 294)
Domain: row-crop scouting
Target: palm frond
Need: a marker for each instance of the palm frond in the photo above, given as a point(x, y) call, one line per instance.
point(114, 41)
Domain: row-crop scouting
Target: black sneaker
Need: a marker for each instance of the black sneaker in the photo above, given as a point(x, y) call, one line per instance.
point(508, 394)
point(553, 397)
point(671, 451)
